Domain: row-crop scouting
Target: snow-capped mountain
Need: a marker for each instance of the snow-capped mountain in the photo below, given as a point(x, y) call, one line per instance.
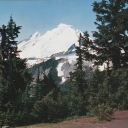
point(61, 39)
point(58, 43)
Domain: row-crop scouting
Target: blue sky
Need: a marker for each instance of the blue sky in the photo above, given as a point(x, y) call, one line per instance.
point(44, 15)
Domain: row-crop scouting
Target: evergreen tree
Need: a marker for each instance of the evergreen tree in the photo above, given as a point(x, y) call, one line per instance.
point(14, 75)
point(110, 41)
point(77, 85)
point(48, 85)
point(78, 76)
point(87, 46)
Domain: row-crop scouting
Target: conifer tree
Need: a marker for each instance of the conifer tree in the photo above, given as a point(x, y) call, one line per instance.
point(14, 73)
point(77, 85)
point(111, 38)
point(78, 76)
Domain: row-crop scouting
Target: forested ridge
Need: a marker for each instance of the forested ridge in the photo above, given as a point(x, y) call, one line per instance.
point(89, 91)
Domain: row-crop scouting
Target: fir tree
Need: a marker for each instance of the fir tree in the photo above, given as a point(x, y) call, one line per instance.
point(14, 73)
point(77, 84)
point(78, 76)
point(110, 39)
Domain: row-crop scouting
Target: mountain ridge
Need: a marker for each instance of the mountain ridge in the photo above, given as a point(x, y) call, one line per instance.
point(57, 40)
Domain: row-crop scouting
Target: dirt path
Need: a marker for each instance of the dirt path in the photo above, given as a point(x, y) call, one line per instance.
point(119, 124)
point(120, 120)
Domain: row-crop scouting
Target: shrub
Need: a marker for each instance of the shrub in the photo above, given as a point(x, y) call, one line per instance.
point(103, 112)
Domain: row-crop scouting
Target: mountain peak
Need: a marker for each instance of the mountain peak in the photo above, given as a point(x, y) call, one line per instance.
point(36, 34)
point(62, 25)
point(57, 40)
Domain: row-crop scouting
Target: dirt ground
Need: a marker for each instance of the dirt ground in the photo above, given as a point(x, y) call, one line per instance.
point(120, 120)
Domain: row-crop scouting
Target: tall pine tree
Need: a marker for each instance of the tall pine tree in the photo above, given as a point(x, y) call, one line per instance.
point(78, 76)
point(14, 72)
point(111, 38)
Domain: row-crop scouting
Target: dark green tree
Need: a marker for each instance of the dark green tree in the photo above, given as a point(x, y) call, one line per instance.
point(77, 84)
point(14, 75)
point(78, 76)
point(48, 84)
point(110, 39)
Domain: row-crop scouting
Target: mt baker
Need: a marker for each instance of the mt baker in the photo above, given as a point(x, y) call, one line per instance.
point(58, 40)
point(58, 43)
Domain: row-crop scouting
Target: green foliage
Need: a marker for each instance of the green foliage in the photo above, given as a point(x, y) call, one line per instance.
point(78, 76)
point(109, 90)
point(14, 78)
point(75, 101)
point(119, 82)
point(58, 105)
point(12, 118)
point(103, 112)
point(111, 35)
point(46, 109)
point(7, 118)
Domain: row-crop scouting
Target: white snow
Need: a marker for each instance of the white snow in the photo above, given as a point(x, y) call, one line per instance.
point(57, 40)
point(61, 72)
point(63, 80)
point(59, 69)
point(31, 62)
point(72, 58)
